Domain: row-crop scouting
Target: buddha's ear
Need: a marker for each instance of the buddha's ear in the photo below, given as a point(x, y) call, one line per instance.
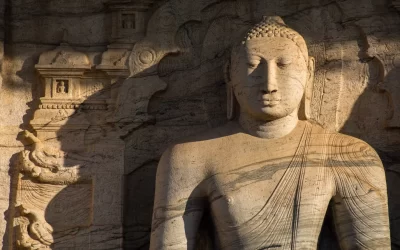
point(227, 72)
point(230, 96)
point(311, 68)
point(305, 106)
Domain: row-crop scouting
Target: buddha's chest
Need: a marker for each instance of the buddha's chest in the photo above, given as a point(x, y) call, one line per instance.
point(269, 196)
point(237, 196)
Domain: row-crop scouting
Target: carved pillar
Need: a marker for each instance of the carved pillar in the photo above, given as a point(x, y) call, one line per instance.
point(70, 181)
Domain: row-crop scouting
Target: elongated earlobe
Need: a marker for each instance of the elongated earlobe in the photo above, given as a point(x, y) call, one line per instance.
point(230, 104)
point(305, 106)
point(230, 95)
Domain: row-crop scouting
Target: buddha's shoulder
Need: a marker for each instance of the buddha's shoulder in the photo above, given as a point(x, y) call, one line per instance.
point(351, 159)
point(343, 146)
point(334, 137)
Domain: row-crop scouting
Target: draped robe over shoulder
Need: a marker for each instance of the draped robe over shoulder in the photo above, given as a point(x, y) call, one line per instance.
point(276, 196)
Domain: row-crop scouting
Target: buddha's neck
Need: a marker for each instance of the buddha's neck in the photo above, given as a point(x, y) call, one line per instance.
point(268, 129)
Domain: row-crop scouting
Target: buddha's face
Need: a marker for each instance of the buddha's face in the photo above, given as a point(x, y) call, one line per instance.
point(268, 76)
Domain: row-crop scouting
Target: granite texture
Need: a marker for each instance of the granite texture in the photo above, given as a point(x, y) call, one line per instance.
point(113, 129)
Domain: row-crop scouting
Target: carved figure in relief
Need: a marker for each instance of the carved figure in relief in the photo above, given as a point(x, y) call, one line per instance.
point(37, 234)
point(62, 176)
point(42, 155)
point(269, 175)
point(128, 21)
point(62, 87)
point(24, 241)
point(45, 163)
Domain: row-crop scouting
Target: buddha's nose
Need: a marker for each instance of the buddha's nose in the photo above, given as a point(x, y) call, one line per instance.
point(269, 84)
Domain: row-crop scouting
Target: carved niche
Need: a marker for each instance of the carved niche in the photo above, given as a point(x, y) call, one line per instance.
point(128, 20)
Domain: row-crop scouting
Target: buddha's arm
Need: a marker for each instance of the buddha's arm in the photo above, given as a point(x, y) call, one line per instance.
point(178, 203)
point(360, 205)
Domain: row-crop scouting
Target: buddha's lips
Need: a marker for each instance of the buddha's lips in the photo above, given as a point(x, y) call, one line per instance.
point(271, 100)
point(273, 97)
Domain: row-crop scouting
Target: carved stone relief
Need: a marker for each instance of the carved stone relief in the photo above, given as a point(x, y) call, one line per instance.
point(33, 232)
point(57, 169)
point(137, 76)
point(389, 66)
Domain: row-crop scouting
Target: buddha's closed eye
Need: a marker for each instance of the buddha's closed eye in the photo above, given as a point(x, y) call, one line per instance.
point(253, 64)
point(283, 62)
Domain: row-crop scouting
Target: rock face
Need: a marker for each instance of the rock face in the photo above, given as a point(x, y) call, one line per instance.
point(93, 92)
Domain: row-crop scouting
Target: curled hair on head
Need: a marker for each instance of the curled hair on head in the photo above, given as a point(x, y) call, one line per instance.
point(274, 26)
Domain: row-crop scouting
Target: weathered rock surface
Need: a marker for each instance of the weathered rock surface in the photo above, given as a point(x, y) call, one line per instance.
point(111, 130)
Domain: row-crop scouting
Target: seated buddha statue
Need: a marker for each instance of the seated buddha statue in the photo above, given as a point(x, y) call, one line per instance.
point(268, 177)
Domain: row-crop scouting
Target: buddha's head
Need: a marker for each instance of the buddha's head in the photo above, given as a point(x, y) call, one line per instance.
point(270, 73)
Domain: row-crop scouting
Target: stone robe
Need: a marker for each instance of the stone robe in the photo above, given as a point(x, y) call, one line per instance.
point(274, 194)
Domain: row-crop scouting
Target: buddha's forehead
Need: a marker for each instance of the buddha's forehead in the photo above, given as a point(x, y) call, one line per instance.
point(274, 46)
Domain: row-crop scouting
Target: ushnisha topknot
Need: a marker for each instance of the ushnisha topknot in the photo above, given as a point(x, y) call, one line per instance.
point(274, 26)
